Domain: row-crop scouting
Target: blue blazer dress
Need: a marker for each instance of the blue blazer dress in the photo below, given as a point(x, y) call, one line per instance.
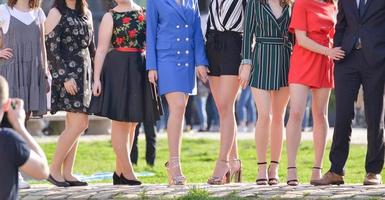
point(175, 44)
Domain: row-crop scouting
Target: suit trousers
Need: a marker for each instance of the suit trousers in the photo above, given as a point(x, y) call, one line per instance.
point(350, 74)
point(149, 131)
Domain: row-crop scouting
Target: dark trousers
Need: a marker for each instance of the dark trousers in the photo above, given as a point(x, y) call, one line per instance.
point(149, 131)
point(349, 76)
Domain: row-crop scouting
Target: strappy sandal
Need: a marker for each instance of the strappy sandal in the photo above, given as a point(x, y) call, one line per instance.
point(273, 181)
point(261, 181)
point(293, 182)
point(174, 180)
point(214, 180)
point(236, 175)
point(314, 182)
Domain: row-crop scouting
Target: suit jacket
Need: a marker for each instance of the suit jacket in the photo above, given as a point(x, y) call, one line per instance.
point(175, 44)
point(370, 28)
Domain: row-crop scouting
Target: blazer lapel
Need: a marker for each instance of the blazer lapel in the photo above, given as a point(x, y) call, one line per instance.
point(178, 8)
point(355, 8)
point(368, 3)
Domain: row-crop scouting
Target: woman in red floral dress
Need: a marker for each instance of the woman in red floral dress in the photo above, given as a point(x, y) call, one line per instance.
point(121, 90)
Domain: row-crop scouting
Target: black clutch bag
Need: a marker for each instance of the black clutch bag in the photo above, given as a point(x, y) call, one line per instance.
point(156, 99)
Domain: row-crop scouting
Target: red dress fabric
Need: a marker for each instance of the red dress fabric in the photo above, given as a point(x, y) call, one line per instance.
point(308, 68)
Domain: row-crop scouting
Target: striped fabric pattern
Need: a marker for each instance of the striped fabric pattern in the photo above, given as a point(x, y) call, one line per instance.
point(270, 56)
point(227, 15)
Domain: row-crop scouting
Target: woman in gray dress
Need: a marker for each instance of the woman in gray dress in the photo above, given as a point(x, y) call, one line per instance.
point(23, 60)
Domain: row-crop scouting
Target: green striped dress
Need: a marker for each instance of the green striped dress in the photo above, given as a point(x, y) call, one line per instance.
point(270, 56)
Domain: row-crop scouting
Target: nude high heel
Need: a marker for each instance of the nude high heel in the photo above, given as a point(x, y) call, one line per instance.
point(236, 174)
point(221, 180)
point(174, 180)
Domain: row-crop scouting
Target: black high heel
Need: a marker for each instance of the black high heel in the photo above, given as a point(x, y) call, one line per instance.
point(293, 182)
point(116, 179)
point(261, 181)
point(57, 183)
point(125, 181)
point(274, 180)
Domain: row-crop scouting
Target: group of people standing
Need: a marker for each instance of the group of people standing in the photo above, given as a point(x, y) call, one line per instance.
point(282, 49)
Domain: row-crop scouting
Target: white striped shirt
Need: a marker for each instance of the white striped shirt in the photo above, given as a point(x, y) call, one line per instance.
point(227, 15)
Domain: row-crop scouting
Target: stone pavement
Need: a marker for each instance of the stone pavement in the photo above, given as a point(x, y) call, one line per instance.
point(247, 191)
point(358, 136)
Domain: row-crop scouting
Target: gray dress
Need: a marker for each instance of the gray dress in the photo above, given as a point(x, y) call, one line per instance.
point(24, 71)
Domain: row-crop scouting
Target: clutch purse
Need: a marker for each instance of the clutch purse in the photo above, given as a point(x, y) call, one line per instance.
point(156, 99)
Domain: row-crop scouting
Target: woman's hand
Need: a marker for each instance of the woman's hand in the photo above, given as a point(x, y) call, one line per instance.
point(336, 53)
point(153, 76)
point(97, 88)
point(202, 72)
point(6, 53)
point(48, 82)
point(244, 74)
point(71, 87)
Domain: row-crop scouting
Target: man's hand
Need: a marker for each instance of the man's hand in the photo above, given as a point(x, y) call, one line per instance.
point(16, 114)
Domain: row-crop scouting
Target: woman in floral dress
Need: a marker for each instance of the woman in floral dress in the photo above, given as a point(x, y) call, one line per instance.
point(121, 89)
point(70, 49)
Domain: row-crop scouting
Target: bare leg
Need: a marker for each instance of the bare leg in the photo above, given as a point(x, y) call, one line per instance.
point(121, 145)
point(262, 99)
point(69, 163)
point(177, 106)
point(225, 89)
point(76, 124)
point(131, 136)
point(280, 99)
point(298, 96)
point(321, 126)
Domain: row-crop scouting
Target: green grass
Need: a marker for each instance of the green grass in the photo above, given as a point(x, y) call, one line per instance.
point(198, 159)
point(201, 194)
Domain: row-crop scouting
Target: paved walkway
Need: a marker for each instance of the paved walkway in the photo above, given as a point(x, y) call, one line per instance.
point(247, 191)
point(358, 136)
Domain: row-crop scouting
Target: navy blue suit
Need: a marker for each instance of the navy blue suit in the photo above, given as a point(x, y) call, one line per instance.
point(363, 65)
point(175, 44)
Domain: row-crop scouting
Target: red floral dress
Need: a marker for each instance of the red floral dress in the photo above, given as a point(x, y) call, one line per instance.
point(133, 23)
point(126, 92)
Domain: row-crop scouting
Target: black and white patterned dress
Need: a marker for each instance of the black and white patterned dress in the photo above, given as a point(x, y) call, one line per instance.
point(70, 51)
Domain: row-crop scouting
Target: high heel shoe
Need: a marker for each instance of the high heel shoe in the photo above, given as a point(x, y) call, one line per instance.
point(261, 181)
point(236, 174)
point(116, 179)
point(314, 182)
point(125, 181)
point(176, 180)
point(273, 180)
point(214, 180)
point(292, 182)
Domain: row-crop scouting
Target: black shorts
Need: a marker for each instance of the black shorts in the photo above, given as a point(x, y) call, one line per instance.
point(224, 52)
